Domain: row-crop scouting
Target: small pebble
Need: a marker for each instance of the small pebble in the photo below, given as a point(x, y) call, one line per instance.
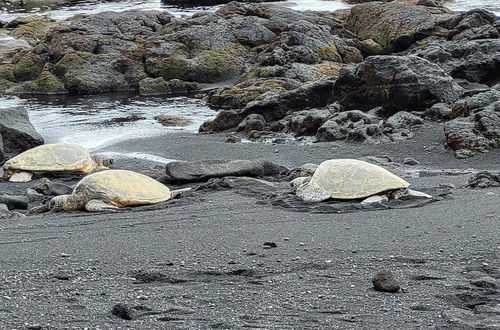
point(268, 245)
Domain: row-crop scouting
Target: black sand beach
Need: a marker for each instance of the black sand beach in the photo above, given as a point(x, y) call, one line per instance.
point(199, 262)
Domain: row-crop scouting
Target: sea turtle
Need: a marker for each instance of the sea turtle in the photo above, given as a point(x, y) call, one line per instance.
point(56, 157)
point(113, 189)
point(351, 179)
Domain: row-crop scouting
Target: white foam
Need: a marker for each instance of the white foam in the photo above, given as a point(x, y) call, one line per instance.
point(97, 121)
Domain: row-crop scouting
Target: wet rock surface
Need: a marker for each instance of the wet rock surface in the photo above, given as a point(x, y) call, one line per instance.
point(16, 131)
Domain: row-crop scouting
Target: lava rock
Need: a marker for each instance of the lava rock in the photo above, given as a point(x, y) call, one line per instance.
point(484, 179)
point(15, 202)
point(395, 82)
point(56, 189)
point(477, 133)
point(439, 111)
point(206, 169)
point(385, 281)
point(16, 130)
point(123, 311)
point(252, 122)
point(403, 119)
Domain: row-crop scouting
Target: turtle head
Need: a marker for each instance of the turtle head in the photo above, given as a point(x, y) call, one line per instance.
point(58, 203)
point(102, 160)
point(296, 183)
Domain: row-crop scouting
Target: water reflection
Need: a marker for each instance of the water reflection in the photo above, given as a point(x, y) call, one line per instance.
point(100, 120)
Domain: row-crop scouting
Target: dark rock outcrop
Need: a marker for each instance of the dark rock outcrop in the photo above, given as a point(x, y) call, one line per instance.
point(198, 171)
point(475, 60)
point(16, 130)
point(396, 83)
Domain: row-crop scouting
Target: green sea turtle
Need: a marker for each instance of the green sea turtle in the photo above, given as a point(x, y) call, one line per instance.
point(56, 157)
point(113, 189)
point(352, 179)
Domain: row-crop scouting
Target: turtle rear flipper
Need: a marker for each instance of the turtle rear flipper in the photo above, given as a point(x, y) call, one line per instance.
point(97, 205)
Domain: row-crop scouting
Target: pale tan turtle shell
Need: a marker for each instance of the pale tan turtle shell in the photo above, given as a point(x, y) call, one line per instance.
point(349, 179)
point(119, 188)
point(57, 157)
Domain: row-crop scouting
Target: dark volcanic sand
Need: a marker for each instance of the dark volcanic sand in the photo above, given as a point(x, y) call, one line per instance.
point(200, 263)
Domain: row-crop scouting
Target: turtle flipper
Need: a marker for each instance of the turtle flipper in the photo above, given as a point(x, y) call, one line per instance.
point(21, 177)
point(97, 205)
point(178, 192)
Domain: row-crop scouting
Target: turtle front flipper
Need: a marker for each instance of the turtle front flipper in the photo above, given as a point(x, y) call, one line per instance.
point(97, 205)
point(21, 177)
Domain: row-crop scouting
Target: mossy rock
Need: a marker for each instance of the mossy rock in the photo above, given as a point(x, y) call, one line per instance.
point(329, 53)
point(238, 96)
point(34, 30)
point(175, 66)
point(219, 64)
point(7, 72)
point(329, 69)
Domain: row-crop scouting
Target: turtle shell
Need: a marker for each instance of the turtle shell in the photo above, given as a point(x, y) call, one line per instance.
point(121, 188)
point(352, 179)
point(57, 157)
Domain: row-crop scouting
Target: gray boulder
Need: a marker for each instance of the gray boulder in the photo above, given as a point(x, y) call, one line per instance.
point(403, 119)
point(16, 130)
point(181, 172)
point(395, 82)
point(252, 122)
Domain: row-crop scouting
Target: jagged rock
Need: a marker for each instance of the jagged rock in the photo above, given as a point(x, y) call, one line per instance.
point(206, 169)
point(275, 107)
point(477, 133)
point(395, 82)
point(16, 130)
point(475, 60)
point(403, 119)
point(468, 105)
point(484, 179)
point(352, 125)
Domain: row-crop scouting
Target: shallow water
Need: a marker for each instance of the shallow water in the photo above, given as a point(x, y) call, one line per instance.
point(102, 120)
point(89, 7)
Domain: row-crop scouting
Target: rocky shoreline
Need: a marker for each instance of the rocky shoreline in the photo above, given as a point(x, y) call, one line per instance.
point(336, 76)
point(407, 85)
